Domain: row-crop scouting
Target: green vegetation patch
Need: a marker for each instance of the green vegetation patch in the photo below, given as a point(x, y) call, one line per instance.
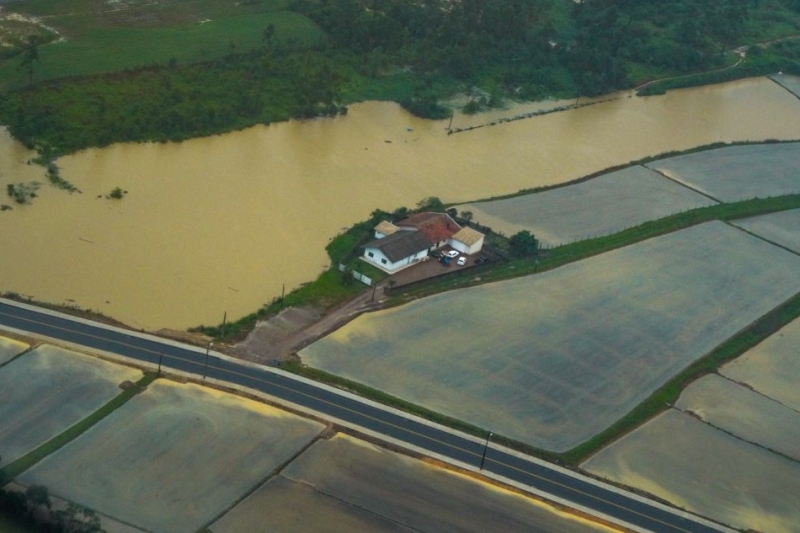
point(172, 103)
point(110, 49)
point(415, 53)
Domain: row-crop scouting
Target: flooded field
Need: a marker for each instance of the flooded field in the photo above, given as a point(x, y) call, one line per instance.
point(772, 367)
point(781, 228)
point(601, 206)
point(552, 359)
point(49, 389)
point(354, 486)
point(791, 83)
point(221, 223)
point(707, 471)
point(744, 413)
point(738, 172)
point(173, 447)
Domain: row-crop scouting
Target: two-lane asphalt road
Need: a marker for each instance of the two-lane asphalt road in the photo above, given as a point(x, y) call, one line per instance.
point(561, 485)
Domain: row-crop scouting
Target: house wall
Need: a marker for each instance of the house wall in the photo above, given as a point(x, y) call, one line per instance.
point(464, 249)
point(382, 262)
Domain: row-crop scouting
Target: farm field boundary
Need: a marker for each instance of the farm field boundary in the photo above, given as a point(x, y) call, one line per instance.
point(23, 463)
point(569, 253)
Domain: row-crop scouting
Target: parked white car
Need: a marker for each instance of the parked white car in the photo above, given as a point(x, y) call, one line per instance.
point(462, 261)
point(452, 253)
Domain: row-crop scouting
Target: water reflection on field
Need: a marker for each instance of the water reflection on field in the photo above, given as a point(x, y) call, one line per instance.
point(220, 223)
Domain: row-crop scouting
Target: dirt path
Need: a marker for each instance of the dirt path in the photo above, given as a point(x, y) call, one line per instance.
point(292, 329)
point(741, 51)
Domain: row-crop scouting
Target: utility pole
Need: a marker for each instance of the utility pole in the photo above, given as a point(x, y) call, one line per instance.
point(160, 356)
point(205, 368)
point(485, 449)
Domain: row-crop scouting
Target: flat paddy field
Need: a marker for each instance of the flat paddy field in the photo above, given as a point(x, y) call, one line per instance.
point(9, 348)
point(782, 228)
point(707, 471)
point(173, 458)
point(47, 390)
point(790, 83)
point(573, 349)
point(772, 368)
point(600, 206)
point(737, 173)
point(744, 413)
point(355, 486)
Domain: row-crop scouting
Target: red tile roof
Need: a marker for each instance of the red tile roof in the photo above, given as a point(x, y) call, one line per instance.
point(436, 227)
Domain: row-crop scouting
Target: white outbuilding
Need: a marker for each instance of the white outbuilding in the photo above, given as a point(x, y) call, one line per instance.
point(467, 241)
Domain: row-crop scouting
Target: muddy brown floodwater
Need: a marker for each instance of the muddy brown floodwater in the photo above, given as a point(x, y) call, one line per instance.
point(220, 223)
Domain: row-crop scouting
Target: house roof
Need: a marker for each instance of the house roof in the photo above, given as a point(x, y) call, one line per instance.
point(386, 227)
point(400, 245)
point(436, 227)
point(468, 236)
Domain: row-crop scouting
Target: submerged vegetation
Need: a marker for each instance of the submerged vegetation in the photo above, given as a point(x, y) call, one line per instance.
point(271, 60)
point(23, 193)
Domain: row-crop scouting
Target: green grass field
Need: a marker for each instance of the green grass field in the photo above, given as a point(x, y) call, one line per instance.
point(97, 40)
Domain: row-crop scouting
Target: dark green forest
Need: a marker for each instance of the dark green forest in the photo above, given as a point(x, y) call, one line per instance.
point(415, 52)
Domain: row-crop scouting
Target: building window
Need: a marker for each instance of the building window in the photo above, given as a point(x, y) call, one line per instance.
point(383, 261)
point(370, 254)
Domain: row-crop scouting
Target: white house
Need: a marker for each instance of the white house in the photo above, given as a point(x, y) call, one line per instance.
point(397, 251)
point(408, 241)
point(467, 241)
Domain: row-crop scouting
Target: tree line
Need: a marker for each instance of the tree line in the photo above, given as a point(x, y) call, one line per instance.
point(416, 53)
point(34, 508)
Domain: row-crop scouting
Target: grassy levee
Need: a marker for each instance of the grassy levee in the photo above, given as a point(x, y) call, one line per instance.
point(326, 292)
point(576, 251)
point(31, 458)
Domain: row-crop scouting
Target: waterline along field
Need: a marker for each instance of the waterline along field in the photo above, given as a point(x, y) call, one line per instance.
point(355, 486)
point(47, 390)
point(600, 206)
point(174, 457)
point(572, 349)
